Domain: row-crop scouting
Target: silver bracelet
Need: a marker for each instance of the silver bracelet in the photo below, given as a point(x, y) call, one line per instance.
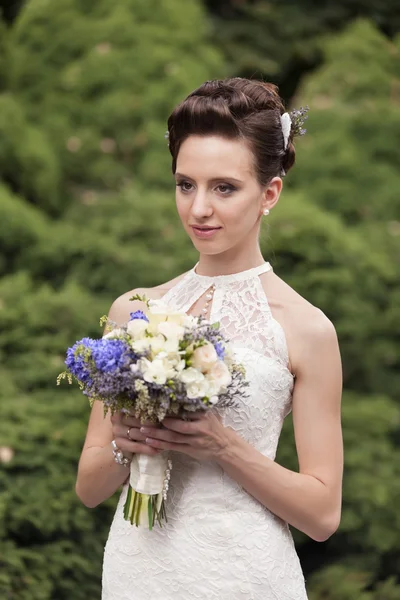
point(119, 458)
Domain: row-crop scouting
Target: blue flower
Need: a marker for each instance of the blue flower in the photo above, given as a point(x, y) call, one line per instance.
point(77, 359)
point(220, 350)
point(110, 355)
point(139, 314)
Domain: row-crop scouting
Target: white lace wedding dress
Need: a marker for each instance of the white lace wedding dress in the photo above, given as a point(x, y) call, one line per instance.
point(219, 543)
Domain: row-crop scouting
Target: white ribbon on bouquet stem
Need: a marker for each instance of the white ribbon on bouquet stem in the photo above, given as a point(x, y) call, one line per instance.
point(148, 473)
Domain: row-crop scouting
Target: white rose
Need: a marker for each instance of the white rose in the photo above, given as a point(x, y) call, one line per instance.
point(156, 371)
point(219, 374)
point(204, 357)
point(198, 389)
point(137, 328)
point(115, 333)
point(214, 388)
point(191, 375)
point(171, 330)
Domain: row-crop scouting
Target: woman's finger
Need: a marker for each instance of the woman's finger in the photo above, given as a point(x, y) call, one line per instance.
point(134, 422)
point(165, 435)
point(134, 433)
point(135, 447)
point(186, 427)
point(130, 422)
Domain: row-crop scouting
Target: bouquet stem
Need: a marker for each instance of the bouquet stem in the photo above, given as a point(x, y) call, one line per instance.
point(142, 509)
point(145, 501)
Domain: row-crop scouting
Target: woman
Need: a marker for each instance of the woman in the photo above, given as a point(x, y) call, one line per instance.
point(229, 502)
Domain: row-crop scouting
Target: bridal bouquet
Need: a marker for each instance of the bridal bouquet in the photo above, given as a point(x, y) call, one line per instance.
point(161, 363)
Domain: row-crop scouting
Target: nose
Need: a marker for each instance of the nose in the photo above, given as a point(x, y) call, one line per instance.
point(201, 205)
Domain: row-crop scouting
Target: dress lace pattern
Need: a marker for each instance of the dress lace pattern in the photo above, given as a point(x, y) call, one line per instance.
point(219, 543)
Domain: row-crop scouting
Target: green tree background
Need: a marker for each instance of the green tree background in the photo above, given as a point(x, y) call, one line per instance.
point(87, 213)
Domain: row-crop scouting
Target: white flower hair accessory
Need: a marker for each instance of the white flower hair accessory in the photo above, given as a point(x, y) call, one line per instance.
point(286, 123)
point(293, 121)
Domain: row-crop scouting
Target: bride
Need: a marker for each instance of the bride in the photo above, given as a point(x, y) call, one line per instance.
point(229, 503)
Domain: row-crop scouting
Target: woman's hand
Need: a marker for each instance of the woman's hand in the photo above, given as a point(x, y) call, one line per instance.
point(204, 437)
point(122, 424)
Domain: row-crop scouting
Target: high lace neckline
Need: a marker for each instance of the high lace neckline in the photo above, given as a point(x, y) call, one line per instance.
point(232, 277)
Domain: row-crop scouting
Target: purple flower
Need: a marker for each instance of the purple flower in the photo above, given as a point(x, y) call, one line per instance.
point(113, 385)
point(220, 350)
point(139, 314)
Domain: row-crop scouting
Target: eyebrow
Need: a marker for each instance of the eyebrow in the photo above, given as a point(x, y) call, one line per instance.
point(214, 179)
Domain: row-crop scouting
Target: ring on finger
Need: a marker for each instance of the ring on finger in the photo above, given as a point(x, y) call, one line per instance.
point(127, 433)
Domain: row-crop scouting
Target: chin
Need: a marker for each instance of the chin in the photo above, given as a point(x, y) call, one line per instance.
point(209, 248)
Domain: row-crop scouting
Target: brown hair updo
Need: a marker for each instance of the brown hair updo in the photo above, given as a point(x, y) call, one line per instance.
point(236, 108)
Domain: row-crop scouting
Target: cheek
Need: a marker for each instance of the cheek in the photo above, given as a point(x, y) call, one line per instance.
point(241, 214)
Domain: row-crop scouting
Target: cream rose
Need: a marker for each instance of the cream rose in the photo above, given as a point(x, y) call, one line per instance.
point(204, 357)
point(219, 374)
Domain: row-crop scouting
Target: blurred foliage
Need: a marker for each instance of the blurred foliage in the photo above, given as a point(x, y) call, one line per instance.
point(356, 170)
point(112, 73)
point(87, 213)
point(9, 9)
point(281, 40)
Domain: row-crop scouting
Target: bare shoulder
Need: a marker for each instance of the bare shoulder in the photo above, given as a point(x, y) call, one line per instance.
point(307, 328)
point(122, 307)
point(308, 320)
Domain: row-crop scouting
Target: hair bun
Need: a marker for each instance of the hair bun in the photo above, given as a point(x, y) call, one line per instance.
point(237, 108)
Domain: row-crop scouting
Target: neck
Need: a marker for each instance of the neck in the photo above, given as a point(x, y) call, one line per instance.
point(231, 261)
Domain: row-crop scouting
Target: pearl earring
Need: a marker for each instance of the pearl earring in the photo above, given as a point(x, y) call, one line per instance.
point(266, 212)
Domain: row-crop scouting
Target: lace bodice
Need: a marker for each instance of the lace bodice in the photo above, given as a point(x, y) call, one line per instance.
point(241, 307)
point(219, 543)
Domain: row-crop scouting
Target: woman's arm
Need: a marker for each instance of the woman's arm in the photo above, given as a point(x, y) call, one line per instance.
point(311, 499)
point(99, 476)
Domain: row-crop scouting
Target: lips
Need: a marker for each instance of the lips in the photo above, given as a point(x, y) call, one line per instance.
point(204, 227)
point(204, 231)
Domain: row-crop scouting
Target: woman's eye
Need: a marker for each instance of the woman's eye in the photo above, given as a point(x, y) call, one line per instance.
point(224, 188)
point(185, 186)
